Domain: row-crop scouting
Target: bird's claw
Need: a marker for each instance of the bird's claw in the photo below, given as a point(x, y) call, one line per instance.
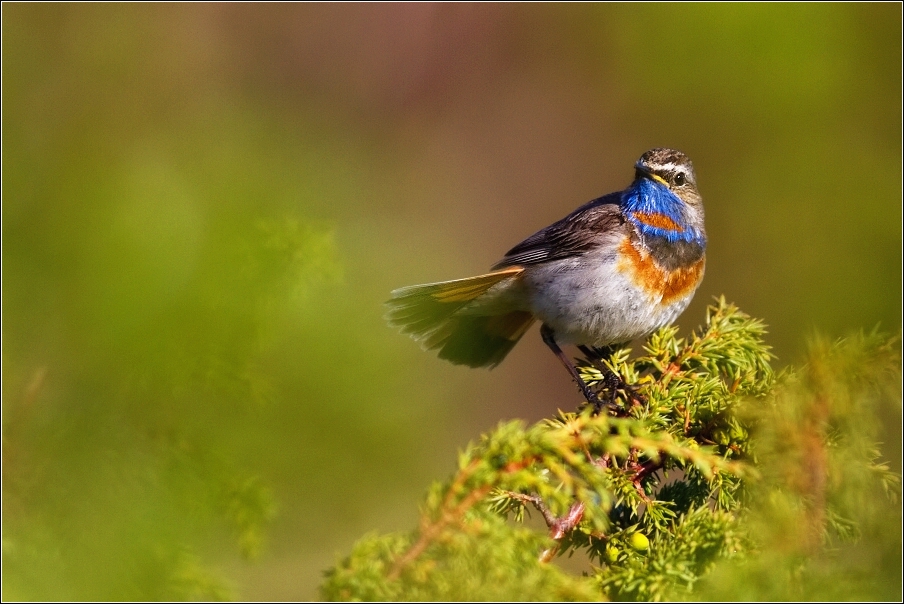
point(607, 394)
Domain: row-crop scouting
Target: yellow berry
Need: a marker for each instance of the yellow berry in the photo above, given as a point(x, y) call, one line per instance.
point(639, 542)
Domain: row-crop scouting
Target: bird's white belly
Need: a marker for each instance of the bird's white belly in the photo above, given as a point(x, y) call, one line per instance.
point(592, 301)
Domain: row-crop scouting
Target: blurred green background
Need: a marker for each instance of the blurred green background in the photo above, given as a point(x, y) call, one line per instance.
point(204, 207)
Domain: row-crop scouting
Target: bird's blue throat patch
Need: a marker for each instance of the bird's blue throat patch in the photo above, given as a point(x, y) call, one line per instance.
point(657, 212)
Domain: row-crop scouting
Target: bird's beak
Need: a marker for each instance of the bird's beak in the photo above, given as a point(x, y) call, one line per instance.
point(641, 172)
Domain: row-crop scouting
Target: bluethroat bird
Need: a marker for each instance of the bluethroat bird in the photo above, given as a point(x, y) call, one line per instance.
point(615, 269)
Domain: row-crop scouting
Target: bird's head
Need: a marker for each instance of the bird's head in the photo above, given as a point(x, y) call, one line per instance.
point(664, 195)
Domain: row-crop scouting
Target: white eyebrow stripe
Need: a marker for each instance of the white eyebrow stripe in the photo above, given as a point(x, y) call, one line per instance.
point(670, 167)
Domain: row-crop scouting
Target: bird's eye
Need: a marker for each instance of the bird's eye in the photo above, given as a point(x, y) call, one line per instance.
point(679, 179)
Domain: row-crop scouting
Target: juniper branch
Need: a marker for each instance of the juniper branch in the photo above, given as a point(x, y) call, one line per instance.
point(719, 466)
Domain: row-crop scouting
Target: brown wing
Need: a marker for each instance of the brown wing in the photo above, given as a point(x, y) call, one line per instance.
point(577, 233)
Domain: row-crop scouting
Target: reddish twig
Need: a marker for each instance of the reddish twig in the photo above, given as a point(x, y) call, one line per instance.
point(429, 532)
point(558, 527)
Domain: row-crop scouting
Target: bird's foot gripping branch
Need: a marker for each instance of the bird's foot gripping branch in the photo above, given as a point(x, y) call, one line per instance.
point(722, 480)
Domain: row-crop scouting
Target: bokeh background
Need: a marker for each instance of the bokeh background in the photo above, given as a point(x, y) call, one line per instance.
point(204, 207)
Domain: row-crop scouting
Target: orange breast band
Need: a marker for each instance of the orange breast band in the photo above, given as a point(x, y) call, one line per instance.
point(661, 221)
point(655, 280)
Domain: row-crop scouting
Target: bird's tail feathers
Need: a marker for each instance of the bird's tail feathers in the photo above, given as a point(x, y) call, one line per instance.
point(435, 315)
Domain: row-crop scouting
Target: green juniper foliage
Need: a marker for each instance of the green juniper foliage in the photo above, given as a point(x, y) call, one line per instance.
point(714, 479)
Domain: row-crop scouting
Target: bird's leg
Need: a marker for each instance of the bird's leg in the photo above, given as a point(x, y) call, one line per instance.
point(596, 354)
point(550, 340)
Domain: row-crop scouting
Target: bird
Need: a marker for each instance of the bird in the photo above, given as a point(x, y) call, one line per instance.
point(615, 269)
